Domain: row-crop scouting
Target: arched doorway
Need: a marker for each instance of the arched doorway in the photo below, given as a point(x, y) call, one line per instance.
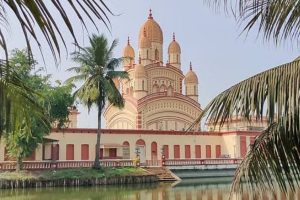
point(141, 150)
point(126, 150)
point(154, 151)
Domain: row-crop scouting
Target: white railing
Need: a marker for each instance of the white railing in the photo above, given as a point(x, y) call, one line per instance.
point(40, 165)
point(191, 162)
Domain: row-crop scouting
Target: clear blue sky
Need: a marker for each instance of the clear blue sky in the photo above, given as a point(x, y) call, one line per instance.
point(212, 41)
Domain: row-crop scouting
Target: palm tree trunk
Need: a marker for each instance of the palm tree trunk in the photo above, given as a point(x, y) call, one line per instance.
point(97, 155)
point(19, 164)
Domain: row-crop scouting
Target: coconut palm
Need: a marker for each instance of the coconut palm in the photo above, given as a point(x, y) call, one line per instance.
point(16, 100)
point(274, 156)
point(275, 19)
point(39, 20)
point(97, 70)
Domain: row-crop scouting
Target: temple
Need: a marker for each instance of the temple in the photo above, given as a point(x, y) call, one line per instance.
point(155, 98)
point(160, 104)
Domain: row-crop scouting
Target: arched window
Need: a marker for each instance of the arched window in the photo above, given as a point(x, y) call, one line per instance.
point(170, 90)
point(153, 151)
point(195, 90)
point(156, 55)
point(177, 58)
point(140, 142)
point(143, 84)
point(155, 88)
point(162, 88)
point(147, 54)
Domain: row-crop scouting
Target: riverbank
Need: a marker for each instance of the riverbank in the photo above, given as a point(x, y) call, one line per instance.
point(75, 177)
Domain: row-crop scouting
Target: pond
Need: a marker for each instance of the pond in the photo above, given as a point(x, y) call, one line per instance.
point(190, 189)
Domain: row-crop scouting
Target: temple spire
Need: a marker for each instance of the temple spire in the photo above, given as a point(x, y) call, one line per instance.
point(128, 41)
point(150, 14)
point(191, 67)
point(173, 36)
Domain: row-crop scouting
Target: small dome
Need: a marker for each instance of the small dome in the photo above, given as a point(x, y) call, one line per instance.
point(191, 76)
point(144, 41)
point(174, 46)
point(139, 71)
point(128, 50)
point(152, 29)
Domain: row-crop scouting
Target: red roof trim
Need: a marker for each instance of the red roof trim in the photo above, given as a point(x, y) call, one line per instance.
point(152, 132)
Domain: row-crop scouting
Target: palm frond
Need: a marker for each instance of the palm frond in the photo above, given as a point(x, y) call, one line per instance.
point(278, 20)
point(273, 160)
point(114, 63)
point(16, 99)
point(273, 92)
point(274, 156)
point(38, 12)
point(117, 74)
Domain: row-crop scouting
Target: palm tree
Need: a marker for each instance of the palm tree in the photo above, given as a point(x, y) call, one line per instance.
point(97, 70)
point(38, 20)
point(274, 158)
point(38, 16)
point(16, 100)
point(275, 155)
point(277, 20)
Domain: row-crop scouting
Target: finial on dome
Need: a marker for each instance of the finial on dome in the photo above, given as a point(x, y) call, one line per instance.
point(173, 36)
point(128, 41)
point(191, 68)
point(150, 14)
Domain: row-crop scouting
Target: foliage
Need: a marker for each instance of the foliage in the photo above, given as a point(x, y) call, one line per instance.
point(274, 156)
point(37, 21)
point(37, 18)
point(23, 139)
point(81, 173)
point(277, 20)
point(86, 173)
point(97, 70)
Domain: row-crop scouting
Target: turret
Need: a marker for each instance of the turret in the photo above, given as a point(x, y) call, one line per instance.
point(152, 31)
point(174, 52)
point(128, 56)
point(140, 81)
point(191, 84)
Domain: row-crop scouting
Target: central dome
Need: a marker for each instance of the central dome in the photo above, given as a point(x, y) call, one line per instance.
point(152, 30)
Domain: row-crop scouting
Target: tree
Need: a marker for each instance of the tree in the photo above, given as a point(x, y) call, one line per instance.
point(24, 138)
point(97, 70)
point(274, 156)
point(39, 20)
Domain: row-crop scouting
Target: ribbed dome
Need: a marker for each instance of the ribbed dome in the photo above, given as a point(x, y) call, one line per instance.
point(128, 50)
point(144, 42)
point(191, 76)
point(174, 46)
point(152, 29)
point(139, 71)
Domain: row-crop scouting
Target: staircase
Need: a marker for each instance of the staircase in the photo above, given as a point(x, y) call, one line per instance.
point(162, 173)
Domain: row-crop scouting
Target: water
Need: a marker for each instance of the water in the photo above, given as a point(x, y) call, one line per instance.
point(193, 189)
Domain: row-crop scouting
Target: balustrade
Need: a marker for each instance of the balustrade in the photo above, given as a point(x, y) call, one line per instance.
point(40, 165)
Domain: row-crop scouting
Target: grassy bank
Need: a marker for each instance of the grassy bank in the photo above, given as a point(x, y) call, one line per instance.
point(81, 173)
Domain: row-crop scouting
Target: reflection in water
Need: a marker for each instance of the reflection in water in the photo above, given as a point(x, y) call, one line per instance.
point(186, 190)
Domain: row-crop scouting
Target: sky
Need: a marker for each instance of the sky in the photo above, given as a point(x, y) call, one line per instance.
point(220, 53)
